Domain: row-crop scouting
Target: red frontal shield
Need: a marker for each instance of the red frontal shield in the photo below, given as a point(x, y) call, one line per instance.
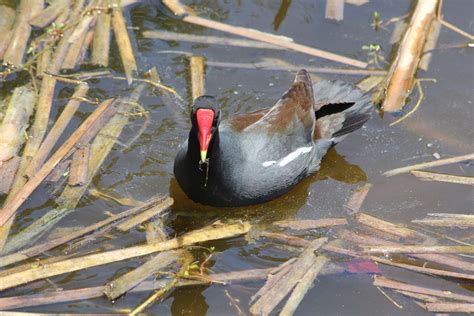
point(205, 118)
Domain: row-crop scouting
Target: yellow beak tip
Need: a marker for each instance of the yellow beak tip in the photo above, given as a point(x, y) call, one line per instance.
point(203, 155)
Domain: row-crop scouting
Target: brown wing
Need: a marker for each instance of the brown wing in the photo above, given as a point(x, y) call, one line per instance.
point(294, 107)
point(240, 122)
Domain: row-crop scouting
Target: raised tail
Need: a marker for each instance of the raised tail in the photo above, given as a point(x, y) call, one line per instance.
point(340, 109)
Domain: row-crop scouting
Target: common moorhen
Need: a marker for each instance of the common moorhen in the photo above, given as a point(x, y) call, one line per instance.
point(256, 157)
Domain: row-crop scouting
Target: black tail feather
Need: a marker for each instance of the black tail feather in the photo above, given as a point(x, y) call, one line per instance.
point(341, 108)
point(333, 108)
point(352, 123)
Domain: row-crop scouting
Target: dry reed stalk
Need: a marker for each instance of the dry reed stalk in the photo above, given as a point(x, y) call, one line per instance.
point(150, 300)
point(276, 293)
point(450, 307)
point(178, 9)
point(388, 297)
point(396, 285)
point(41, 119)
point(234, 303)
point(155, 231)
point(456, 29)
point(311, 224)
point(424, 270)
point(69, 16)
point(58, 172)
point(332, 246)
point(273, 278)
point(7, 19)
point(400, 79)
point(424, 165)
point(14, 123)
point(267, 38)
point(79, 170)
point(208, 39)
point(117, 198)
point(337, 247)
point(43, 62)
point(57, 130)
point(369, 83)
point(166, 96)
point(357, 2)
point(153, 83)
point(38, 263)
point(84, 24)
point(126, 3)
point(38, 126)
point(385, 226)
point(78, 48)
point(431, 42)
point(7, 173)
point(84, 262)
point(48, 15)
point(267, 65)
point(196, 65)
point(381, 234)
point(303, 286)
point(334, 10)
point(146, 215)
point(387, 249)
point(64, 14)
point(460, 222)
point(124, 283)
point(170, 284)
point(106, 108)
point(442, 177)
point(285, 239)
point(9, 303)
point(452, 216)
point(86, 47)
point(16, 50)
point(421, 97)
point(123, 42)
point(421, 297)
point(101, 41)
point(451, 261)
point(365, 239)
point(5, 41)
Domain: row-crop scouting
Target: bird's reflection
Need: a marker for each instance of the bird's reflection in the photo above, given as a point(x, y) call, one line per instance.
point(333, 166)
point(189, 301)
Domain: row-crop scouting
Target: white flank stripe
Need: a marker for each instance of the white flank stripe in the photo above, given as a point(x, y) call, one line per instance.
point(293, 155)
point(268, 163)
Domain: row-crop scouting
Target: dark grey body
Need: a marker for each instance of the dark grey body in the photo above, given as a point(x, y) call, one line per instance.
point(253, 166)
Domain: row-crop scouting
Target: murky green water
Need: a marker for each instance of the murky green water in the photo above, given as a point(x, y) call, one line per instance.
point(442, 125)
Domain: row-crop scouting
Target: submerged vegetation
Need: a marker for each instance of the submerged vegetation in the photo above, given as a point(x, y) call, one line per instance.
point(42, 145)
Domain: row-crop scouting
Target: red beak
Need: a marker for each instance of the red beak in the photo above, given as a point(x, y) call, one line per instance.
point(205, 118)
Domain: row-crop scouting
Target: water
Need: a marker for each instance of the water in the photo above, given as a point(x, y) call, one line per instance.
point(442, 125)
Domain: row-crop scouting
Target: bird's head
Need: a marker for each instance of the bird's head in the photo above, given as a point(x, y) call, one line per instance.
point(205, 117)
